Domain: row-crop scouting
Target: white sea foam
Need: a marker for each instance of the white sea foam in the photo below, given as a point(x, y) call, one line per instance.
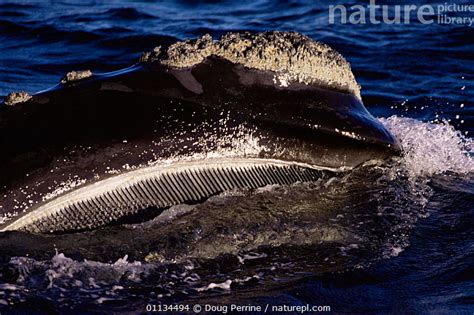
point(431, 148)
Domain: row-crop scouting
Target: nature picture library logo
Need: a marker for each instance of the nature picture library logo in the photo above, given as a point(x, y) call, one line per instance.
point(373, 13)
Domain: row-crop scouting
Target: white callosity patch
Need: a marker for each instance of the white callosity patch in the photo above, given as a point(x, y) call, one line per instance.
point(76, 76)
point(17, 98)
point(429, 148)
point(292, 56)
point(150, 55)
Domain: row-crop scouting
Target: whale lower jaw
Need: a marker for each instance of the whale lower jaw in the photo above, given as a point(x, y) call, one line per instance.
point(159, 187)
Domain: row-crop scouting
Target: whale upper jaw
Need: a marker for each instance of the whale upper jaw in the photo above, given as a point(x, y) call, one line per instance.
point(92, 127)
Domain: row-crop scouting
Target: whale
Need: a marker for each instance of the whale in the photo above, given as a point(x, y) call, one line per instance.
point(186, 122)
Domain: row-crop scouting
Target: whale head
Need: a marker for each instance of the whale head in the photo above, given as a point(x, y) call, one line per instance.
point(183, 124)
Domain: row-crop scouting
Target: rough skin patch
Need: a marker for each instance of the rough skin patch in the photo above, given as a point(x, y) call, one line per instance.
point(76, 76)
point(17, 98)
point(291, 55)
point(150, 55)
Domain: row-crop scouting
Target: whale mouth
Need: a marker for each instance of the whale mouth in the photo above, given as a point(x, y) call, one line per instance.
point(158, 187)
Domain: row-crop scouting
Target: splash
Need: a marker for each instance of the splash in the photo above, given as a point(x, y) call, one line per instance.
point(429, 148)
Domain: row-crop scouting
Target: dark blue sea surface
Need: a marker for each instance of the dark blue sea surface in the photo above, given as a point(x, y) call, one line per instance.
point(401, 239)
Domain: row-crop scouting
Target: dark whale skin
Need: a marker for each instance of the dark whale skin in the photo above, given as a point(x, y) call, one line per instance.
point(84, 129)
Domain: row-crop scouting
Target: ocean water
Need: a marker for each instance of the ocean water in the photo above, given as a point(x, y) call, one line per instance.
point(394, 237)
